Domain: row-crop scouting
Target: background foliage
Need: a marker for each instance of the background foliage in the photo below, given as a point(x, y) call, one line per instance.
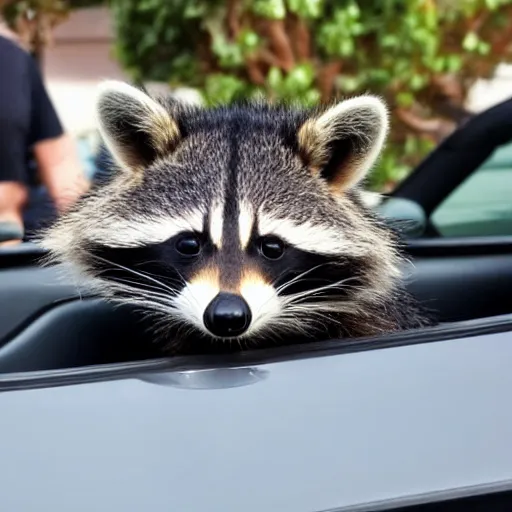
point(421, 55)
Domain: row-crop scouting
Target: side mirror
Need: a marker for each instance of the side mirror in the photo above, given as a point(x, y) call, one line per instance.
point(405, 215)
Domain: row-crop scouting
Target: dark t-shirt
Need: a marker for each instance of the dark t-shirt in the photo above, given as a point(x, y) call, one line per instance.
point(27, 115)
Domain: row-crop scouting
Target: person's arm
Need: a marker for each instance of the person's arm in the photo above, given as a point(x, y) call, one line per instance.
point(55, 152)
point(60, 170)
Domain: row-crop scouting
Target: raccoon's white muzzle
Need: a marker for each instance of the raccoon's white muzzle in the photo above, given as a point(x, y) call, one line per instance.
point(224, 314)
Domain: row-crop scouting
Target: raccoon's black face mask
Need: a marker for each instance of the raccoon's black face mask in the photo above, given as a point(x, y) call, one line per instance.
point(236, 223)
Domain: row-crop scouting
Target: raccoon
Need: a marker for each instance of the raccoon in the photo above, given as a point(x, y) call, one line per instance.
point(239, 226)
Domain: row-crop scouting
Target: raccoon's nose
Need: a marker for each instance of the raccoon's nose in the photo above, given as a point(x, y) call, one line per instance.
point(227, 315)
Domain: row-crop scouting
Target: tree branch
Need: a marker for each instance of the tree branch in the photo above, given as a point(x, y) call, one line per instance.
point(300, 37)
point(256, 75)
point(267, 57)
point(327, 77)
point(232, 19)
point(478, 21)
point(502, 43)
point(280, 43)
point(436, 129)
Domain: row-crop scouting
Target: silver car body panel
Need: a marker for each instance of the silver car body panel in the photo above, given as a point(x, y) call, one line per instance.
point(355, 431)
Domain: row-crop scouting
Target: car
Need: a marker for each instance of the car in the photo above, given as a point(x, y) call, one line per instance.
point(463, 188)
point(94, 418)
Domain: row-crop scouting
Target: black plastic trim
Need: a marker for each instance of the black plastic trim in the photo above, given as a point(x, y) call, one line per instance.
point(492, 502)
point(477, 498)
point(463, 246)
point(22, 255)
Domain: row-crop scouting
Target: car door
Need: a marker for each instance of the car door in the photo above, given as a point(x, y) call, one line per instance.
point(366, 425)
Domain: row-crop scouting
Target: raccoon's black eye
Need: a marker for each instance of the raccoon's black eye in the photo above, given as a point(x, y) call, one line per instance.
point(188, 245)
point(272, 248)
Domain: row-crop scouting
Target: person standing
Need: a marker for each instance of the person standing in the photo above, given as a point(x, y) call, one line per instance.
point(30, 130)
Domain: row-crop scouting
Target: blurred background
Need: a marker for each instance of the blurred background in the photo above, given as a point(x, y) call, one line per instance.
point(437, 62)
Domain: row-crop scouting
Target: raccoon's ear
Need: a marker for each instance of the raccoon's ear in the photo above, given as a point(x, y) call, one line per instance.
point(135, 128)
point(342, 144)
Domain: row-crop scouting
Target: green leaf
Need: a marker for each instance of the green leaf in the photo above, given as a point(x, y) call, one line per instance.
point(453, 63)
point(353, 10)
point(405, 99)
point(470, 42)
point(222, 89)
point(273, 9)
point(306, 8)
point(302, 76)
point(310, 98)
point(390, 41)
point(194, 10)
point(492, 4)
point(275, 78)
point(346, 47)
point(348, 83)
point(417, 82)
point(483, 48)
point(249, 40)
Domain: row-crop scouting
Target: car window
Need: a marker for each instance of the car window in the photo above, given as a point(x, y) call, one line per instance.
point(482, 204)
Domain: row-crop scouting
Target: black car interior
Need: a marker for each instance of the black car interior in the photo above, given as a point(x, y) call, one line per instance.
point(493, 502)
point(47, 323)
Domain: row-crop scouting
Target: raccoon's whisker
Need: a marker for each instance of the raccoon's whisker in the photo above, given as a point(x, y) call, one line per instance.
point(192, 295)
point(158, 300)
point(279, 289)
point(296, 278)
point(302, 281)
point(315, 308)
point(292, 325)
point(154, 302)
point(147, 298)
point(142, 303)
point(301, 310)
point(325, 306)
point(307, 293)
point(152, 274)
point(184, 331)
point(163, 291)
point(141, 292)
point(135, 272)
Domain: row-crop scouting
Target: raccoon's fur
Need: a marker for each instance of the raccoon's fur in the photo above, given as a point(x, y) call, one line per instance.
point(239, 226)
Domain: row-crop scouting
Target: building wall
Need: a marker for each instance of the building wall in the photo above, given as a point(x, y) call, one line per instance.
point(80, 57)
point(486, 93)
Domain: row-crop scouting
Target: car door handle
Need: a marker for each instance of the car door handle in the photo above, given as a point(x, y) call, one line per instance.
point(217, 378)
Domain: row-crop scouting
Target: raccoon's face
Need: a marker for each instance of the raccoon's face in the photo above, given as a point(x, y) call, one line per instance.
point(239, 223)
